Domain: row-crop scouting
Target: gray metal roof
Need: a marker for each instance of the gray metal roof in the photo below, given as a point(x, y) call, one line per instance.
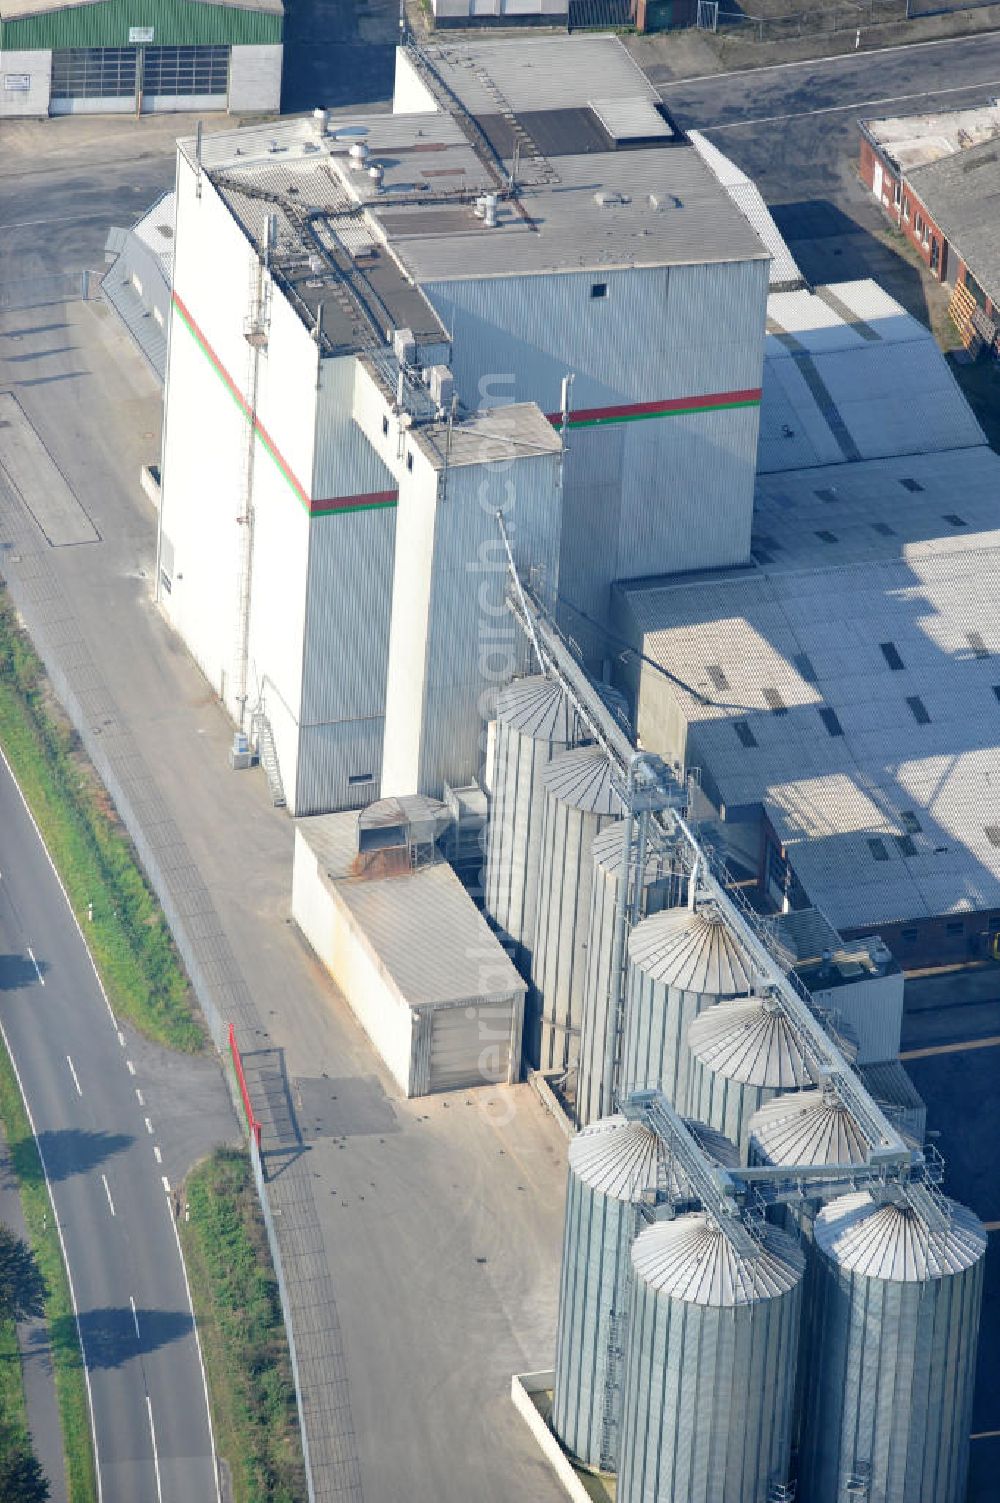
point(893, 1242)
point(624, 1159)
point(748, 198)
point(690, 1259)
point(538, 708)
point(902, 552)
point(808, 1127)
point(497, 435)
point(607, 852)
point(962, 195)
point(693, 950)
point(421, 928)
point(582, 779)
point(752, 1042)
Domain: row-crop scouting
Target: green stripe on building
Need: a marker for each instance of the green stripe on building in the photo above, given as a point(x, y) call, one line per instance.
point(175, 23)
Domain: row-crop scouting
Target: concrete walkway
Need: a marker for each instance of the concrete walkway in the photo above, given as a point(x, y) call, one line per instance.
point(36, 1355)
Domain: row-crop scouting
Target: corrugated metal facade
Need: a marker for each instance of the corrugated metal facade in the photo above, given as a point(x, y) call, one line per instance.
point(707, 1415)
point(175, 23)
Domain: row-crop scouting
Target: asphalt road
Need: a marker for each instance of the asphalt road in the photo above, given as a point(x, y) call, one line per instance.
point(153, 1435)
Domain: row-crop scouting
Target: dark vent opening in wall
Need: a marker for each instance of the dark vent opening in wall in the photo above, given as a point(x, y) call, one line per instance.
point(911, 823)
point(878, 850)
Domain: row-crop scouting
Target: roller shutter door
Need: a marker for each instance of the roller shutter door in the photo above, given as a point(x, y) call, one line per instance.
point(470, 1045)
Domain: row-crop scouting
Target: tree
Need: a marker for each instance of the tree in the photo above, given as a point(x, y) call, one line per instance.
point(21, 1478)
point(22, 1287)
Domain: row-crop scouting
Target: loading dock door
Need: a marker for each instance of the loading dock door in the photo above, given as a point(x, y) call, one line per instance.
point(470, 1045)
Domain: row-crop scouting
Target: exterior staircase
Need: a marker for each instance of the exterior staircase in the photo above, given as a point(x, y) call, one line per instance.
point(269, 758)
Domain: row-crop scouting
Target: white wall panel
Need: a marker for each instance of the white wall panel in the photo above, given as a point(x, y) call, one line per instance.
point(255, 78)
point(37, 68)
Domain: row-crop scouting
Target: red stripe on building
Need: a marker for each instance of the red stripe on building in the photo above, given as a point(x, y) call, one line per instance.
point(628, 411)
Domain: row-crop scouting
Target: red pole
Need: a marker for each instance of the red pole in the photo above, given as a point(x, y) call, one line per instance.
point(252, 1122)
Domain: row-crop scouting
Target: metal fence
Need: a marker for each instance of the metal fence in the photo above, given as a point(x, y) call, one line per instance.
point(819, 21)
point(52, 287)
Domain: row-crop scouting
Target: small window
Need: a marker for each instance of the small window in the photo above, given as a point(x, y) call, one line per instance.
point(918, 709)
point(826, 537)
point(906, 210)
point(918, 225)
point(883, 529)
point(385, 427)
point(803, 663)
point(897, 193)
point(909, 484)
point(911, 823)
point(979, 647)
point(954, 520)
point(745, 734)
point(598, 289)
point(360, 777)
point(409, 461)
point(905, 844)
point(831, 721)
point(954, 926)
point(993, 835)
point(892, 656)
point(878, 850)
point(717, 676)
point(774, 701)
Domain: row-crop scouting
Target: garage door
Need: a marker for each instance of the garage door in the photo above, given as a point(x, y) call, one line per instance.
point(102, 80)
point(470, 1046)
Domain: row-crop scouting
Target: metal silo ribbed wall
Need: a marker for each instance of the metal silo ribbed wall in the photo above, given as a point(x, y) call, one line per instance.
point(680, 963)
point(712, 1345)
point(611, 1164)
point(742, 1054)
point(579, 801)
point(660, 886)
point(534, 723)
point(893, 1309)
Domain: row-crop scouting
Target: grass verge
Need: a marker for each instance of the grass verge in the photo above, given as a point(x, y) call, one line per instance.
point(67, 1361)
point(243, 1340)
point(127, 934)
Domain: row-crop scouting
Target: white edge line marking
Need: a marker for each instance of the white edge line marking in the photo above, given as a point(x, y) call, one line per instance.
point(62, 889)
point(72, 1071)
point(121, 1038)
point(158, 1156)
point(59, 1232)
point(34, 962)
point(166, 1183)
point(814, 62)
point(156, 1459)
point(138, 1097)
point(107, 1191)
point(131, 1067)
point(201, 1360)
point(843, 109)
point(135, 1318)
point(149, 1125)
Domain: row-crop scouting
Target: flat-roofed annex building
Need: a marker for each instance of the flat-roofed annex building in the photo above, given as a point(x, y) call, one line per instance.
point(139, 56)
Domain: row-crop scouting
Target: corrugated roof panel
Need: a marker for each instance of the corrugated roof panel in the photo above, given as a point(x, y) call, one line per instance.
point(692, 1259)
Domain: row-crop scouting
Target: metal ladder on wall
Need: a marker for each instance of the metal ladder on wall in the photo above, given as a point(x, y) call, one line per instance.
point(264, 738)
point(255, 332)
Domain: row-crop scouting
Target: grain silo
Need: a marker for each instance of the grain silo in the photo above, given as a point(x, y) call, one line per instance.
point(659, 886)
point(580, 799)
point(895, 1290)
point(680, 963)
point(807, 1127)
point(615, 1166)
point(742, 1054)
point(712, 1342)
point(534, 723)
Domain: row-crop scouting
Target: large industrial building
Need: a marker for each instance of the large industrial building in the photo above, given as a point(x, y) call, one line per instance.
point(391, 309)
point(65, 57)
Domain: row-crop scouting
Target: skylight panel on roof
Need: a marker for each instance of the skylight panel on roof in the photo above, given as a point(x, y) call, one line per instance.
point(631, 120)
point(891, 654)
point(918, 709)
point(745, 734)
point(831, 720)
point(979, 647)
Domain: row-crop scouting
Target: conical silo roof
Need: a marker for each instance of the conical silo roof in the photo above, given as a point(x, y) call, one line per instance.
point(623, 1159)
point(607, 850)
point(690, 1259)
point(885, 1237)
point(808, 1127)
point(751, 1042)
point(413, 809)
point(692, 949)
point(538, 708)
point(582, 779)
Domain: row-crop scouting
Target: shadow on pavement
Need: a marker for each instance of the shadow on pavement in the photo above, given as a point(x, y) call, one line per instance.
point(109, 1334)
point(17, 973)
point(71, 1150)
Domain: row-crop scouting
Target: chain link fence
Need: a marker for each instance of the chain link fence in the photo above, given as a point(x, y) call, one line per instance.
point(780, 25)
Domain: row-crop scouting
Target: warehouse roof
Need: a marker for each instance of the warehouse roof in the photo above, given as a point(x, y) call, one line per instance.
point(20, 10)
point(912, 140)
point(849, 682)
point(961, 193)
point(421, 924)
point(849, 375)
point(785, 274)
